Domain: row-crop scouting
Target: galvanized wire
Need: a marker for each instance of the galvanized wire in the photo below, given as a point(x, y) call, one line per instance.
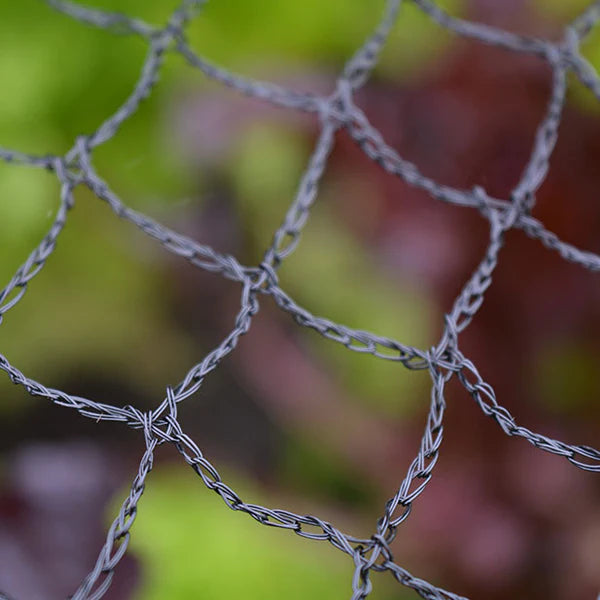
point(443, 361)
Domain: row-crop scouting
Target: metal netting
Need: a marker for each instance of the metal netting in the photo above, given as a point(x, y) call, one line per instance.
point(443, 361)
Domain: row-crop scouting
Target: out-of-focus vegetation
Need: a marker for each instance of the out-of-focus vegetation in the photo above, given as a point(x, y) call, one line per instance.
point(328, 272)
point(99, 304)
point(103, 304)
point(222, 554)
point(65, 78)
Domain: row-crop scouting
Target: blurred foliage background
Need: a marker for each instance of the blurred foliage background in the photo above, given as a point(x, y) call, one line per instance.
point(294, 420)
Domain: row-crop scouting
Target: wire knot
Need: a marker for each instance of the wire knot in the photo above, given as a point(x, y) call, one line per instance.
point(337, 108)
point(383, 544)
point(265, 276)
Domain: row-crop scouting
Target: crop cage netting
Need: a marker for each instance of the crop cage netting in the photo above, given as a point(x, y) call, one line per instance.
point(443, 361)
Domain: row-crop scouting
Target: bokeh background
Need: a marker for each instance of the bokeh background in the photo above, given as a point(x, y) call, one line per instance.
point(291, 419)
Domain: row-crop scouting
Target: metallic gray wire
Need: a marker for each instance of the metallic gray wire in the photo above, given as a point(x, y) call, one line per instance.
point(443, 361)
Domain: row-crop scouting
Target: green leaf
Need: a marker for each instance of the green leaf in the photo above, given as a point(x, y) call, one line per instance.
point(191, 545)
point(566, 376)
point(332, 274)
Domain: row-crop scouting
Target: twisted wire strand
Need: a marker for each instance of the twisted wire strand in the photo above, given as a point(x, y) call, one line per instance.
point(37, 258)
point(113, 22)
point(12, 156)
point(334, 112)
point(584, 23)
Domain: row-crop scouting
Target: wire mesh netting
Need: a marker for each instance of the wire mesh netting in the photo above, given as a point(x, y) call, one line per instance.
point(443, 361)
